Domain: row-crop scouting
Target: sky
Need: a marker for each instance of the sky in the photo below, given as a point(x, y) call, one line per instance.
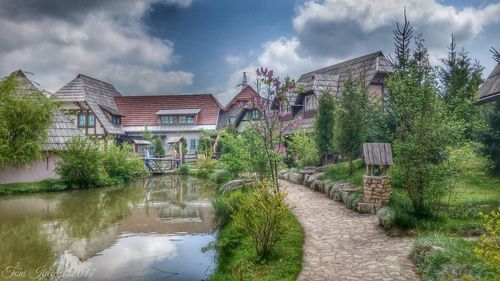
point(155, 47)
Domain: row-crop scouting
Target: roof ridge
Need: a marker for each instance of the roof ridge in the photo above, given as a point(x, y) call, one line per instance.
point(166, 95)
point(343, 63)
point(92, 78)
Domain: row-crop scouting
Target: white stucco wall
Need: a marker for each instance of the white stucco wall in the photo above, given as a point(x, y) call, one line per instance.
point(36, 171)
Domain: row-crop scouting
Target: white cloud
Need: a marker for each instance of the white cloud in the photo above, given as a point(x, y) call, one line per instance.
point(234, 60)
point(109, 44)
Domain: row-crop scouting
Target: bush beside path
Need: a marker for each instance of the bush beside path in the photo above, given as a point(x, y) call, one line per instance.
point(343, 245)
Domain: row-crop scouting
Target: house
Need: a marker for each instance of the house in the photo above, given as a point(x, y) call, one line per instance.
point(59, 132)
point(91, 106)
point(490, 89)
point(372, 68)
point(175, 118)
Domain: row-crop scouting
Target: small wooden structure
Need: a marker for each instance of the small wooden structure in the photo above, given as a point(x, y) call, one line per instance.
point(162, 165)
point(378, 155)
point(140, 146)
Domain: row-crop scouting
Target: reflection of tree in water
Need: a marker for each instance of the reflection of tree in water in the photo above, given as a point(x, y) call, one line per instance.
point(24, 244)
point(87, 212)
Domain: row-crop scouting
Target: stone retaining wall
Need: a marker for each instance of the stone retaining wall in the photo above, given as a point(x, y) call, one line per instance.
point(377, 189)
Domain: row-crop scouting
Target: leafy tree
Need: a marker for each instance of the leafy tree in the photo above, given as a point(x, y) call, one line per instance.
point(460, 79)
point(324, 125)
point(304, 149)
point(423, 131)
point(206, 142)
point(147, 134)
point(491, 137)
point(351, 125)
point(159, 150)
point(25, 115)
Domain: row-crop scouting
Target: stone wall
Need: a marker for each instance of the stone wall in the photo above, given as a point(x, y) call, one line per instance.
point(377, 189)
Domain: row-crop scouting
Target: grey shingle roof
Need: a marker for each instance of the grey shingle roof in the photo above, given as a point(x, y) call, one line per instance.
point(61, 129)
point(490, 90)
point(333, 77)
point(97, 94)
point(178, 111)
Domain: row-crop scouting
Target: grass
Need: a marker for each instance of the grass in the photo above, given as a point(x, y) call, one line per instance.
point(340, 171)
point(443, 258)
point(237, 256)
point(30, 187)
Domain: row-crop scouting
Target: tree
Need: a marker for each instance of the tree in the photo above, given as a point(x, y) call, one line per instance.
point(304, 149)
point(422, 132)
point(496, 54)
point(147, 134)
point(491, 137)
point(25, 115)
point(460, 79)
point(351, 126)
point(159, 150)
point(324, 125)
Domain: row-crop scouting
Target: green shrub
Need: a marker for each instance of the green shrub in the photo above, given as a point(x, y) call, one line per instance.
point(184, 169)
point(82, 163)
point(222, 176)
point(353, 199)
point(488, 249)
point(120, 163)
point(386, 217)
point(441, 258)
point(304, 149)
point(159, 150)
point(206, 166)
point(262, 215)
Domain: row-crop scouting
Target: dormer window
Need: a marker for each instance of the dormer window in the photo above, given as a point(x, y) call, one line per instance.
point(178, 116)
point(86, 120)
point(310, 102)
point(117, 120)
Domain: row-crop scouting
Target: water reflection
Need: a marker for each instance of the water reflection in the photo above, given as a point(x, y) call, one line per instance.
point(153, 229)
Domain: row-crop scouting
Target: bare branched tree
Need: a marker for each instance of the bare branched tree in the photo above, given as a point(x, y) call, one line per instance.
point(402, 38)
point(496, 54)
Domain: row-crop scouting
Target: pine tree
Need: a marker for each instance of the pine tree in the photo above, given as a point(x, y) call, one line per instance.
point(324, 125)
point(491, 138)
point(351, 129)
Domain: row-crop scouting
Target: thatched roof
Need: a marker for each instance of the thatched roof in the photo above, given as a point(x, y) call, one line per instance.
point(490, 90)
point(97, 94)
point(61, 129)
point(374, 67)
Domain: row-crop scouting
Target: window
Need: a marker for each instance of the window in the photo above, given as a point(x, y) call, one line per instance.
point(186, 119)
point(190, 119)
point(255, 114)
point(81, 120)
point(168, 120)
point(90, 120)
point(192, 144)
point(117, 120)
point(311, 102)
point(229, 120)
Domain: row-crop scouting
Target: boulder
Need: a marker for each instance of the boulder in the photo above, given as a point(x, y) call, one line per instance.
point(366, 208)
point(317, 185)
point(308, 170)
point(296, 178)
point(327, 187)
point(346, 192)
point(309, 180)
point(235, 184)
point(283, 174)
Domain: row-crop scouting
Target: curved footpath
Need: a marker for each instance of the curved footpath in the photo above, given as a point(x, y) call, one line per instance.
point(341, 244)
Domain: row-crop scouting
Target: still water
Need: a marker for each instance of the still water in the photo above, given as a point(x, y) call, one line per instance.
point(158, 228)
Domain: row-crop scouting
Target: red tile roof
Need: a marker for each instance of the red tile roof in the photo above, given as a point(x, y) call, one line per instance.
point(140, 110)
point(245, 95)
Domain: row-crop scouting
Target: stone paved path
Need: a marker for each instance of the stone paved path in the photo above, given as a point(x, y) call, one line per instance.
point(341, 244)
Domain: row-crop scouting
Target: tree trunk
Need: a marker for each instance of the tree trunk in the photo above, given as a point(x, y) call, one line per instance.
point(350, 166)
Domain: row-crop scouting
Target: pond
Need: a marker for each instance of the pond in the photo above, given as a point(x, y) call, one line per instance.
point(159, 228)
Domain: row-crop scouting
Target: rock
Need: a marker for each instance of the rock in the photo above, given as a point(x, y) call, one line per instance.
point(308, 170)
point(296, 178)
point(235, 184)
point(309, 180)
point(346, 192)
point(282, 174)
point(327, 187)
point(321, 169)
point(317, 185)
point(366, 208)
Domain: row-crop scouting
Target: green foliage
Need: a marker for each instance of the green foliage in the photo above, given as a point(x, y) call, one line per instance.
point(236, 157)
point(304, 149)
point(324, 125)
point(491, 137)
point(119, 162)
point(184, 169)
point(340, 171)
point(222, 176)
point(423, 133)
point(206, 166)
point(353, 199)
point(206, 142)
point(261, 215)
point(24, 118)
point(83, 163)
point(147, 134)
point(236, 252)
point(460, 79)
point(159, 150)
point(29, 187)
point(351, 125)
point(488, 249)
point(441, 258)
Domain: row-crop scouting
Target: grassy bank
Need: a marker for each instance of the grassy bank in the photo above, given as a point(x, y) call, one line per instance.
point(237, 258)
point(30, 187)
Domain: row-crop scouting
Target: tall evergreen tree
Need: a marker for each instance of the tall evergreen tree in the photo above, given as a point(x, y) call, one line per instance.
point(460, 78)
point(351, 125)
point(491, 138)
point(324, 125)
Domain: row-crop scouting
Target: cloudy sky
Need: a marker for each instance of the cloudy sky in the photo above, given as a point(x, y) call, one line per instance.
point(181, 46)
